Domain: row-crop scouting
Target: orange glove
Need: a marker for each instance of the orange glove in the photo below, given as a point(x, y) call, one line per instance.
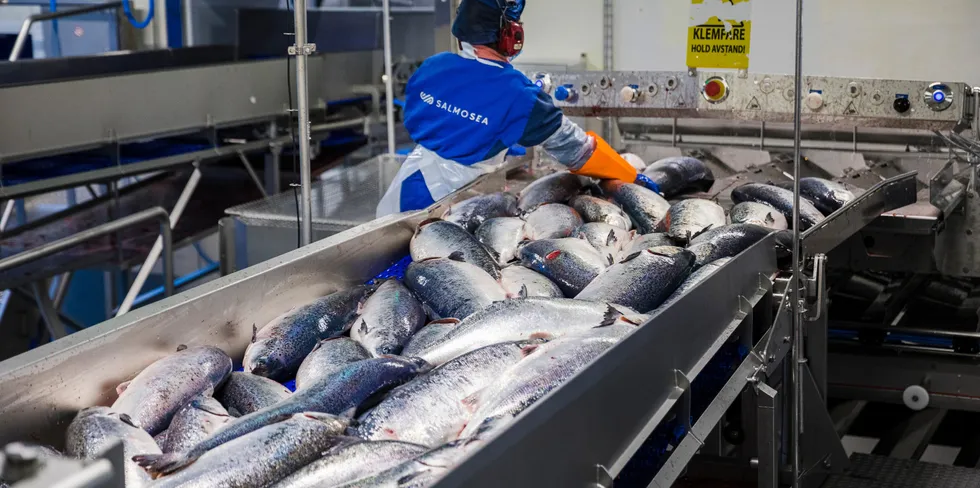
point(606, 163)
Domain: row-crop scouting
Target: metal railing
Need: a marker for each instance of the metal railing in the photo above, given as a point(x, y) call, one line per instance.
point(28, 22)
point(155, 213)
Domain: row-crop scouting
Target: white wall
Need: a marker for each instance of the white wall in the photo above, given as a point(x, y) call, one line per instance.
point(560, 31)
point(860, 38)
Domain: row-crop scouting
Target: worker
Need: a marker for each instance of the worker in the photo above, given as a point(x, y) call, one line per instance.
point(466, 110)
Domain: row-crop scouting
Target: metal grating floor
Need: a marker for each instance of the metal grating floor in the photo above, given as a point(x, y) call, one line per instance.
point(343, 197)
point(869, 471)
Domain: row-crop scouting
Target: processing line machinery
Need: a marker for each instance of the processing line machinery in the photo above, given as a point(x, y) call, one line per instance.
point(598, 426)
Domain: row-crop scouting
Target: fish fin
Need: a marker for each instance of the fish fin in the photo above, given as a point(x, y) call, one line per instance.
point(611, 238)
point(636, 320)
point(181, 347)
point(611, 259)
point(658, 253)
point(609, 317)
point(445, 321)
point(405, 480)
point(163, 464)
point(128, 420)
point(702, 231)
point(523, 292)
point(349, 413)
point(204, 407)
point(363, 328)
point(428, 221)
point(769, 218)
point(529, 349)
point(121, 387)
point(631, 257)
point(541, 335)
point(234, 412)
point(255, 332)
point(553, 255)
point(456, 256)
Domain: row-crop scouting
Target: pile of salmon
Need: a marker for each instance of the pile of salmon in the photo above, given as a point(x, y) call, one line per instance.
point(507, 297)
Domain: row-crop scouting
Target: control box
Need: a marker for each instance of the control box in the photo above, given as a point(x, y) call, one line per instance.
point(833, 101)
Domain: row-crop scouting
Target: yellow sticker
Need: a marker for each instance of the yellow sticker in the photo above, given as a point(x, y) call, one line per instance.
point(719, 34)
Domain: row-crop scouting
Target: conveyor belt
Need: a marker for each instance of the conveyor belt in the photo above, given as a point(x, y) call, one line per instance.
point(869, 471)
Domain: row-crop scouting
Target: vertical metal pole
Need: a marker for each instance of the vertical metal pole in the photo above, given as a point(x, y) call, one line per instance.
point(797, 364)
point(768, 436)
point(389, 88)
point(303, 102)
point(607, 56)
point(188, 21)
point(273, 162)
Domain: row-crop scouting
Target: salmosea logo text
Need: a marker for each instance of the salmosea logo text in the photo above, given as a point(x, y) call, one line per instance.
point(427, 98)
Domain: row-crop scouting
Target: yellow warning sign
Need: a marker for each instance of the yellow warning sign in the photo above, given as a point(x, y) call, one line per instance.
point(719, 34)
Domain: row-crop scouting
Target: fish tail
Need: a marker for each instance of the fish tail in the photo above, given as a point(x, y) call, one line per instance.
point(163, 464)
point(609, 317)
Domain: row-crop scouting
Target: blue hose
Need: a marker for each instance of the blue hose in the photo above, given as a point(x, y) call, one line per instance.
point(53, 6)
point(128, 10)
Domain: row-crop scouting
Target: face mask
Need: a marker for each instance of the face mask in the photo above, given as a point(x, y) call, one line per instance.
point(512, 58)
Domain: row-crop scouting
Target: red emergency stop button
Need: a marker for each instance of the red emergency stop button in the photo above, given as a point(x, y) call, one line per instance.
point(715, 89)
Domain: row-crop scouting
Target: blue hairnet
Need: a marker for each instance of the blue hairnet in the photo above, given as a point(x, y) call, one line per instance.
point(478, 21)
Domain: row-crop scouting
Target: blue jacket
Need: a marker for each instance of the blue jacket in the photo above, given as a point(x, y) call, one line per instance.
point(469, 110)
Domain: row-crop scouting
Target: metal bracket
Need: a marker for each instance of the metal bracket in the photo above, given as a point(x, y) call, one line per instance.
point(815, 287)
point(306, 50)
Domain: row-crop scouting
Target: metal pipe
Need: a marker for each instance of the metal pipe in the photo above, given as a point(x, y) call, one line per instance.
point(144, 272)
point(25, 28)
point(796, 372)
point(251, 174)
point(66, 320)
point(44, 250)
point(188, 21)
point(301, 49)
point(69, 181)
point(8, 210)
point(608, 59)
point(49, 315)
point(273, 176)
point(389, 81)
point(64, 279)
point(342, 124)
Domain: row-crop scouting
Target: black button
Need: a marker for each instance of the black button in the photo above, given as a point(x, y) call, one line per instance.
point(902, 105)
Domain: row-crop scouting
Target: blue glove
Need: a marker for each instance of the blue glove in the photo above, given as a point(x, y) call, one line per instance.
point(516, 150)
point(644, 181)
